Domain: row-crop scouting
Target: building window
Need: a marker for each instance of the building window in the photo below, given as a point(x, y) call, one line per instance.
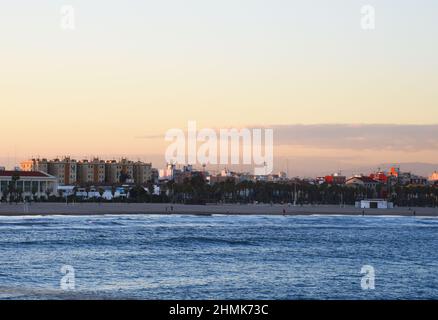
point(34, 186)
point(4, 185)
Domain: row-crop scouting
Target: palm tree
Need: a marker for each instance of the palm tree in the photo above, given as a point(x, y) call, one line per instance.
point(34, 193)
point(12, 188)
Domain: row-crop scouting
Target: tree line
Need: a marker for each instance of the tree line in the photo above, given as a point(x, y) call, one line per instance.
point(196, 190)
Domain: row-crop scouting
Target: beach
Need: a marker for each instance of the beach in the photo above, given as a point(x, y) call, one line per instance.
point(36, 209)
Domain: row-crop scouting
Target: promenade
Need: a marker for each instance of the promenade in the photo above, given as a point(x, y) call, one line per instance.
point(223, 209)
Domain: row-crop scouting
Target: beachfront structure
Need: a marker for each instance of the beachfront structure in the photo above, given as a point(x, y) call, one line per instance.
point(374, 204)
point(87, 194)
point(91, 172)
point(142, 172)
point(32, 184)
point(65, 170)
point(65, 191)
point(117, 172)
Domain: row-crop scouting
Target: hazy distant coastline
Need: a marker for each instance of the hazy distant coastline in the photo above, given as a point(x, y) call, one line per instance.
point(224, 209)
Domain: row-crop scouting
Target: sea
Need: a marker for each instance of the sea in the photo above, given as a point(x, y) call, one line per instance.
point(218, 257)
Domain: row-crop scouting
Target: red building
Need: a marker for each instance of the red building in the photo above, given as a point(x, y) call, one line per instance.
point(335, 179)
point(379, 176)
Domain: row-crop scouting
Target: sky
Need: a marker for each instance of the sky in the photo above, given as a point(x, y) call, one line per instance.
point(134, 69)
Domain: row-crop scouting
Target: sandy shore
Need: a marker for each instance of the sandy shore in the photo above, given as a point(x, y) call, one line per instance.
point(231, 209)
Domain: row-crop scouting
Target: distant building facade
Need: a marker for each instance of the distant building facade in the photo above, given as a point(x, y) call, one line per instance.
point(362, 181)
point(142, 172)
point(91, 172)
point(65, 170)
point(418, 180)
point(434, 178)
point(35, 165)
point(168, 173)
point(335, 179)
point(95, 172)
point(119, 171)
point(379, 176)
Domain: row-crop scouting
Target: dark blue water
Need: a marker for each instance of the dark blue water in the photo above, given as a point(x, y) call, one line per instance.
point(219, 257)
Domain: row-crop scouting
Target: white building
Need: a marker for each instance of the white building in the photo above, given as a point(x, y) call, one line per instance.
point(374, 204)
point(27, 183)
point(66, 191)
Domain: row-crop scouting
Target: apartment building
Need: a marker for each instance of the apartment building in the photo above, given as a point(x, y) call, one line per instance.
point(95, 172)
point(65, 170)
point(142, 172)
point(119, 171)
point(91, 172)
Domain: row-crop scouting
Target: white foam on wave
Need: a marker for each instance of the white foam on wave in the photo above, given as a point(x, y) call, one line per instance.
point(23, 217)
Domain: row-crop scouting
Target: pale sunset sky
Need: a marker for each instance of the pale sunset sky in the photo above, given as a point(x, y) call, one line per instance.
point(133, 69)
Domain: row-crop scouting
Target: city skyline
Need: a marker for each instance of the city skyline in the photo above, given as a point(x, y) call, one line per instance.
point(126, 74)
point(300, 167)
point(94, 165)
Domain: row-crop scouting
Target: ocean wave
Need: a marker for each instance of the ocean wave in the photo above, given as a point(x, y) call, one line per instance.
point(26, 224)
point(207, 240)
point(48, 294)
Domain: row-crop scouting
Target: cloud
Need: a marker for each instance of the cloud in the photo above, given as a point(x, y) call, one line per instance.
point(388, 137)
point(393, 137)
